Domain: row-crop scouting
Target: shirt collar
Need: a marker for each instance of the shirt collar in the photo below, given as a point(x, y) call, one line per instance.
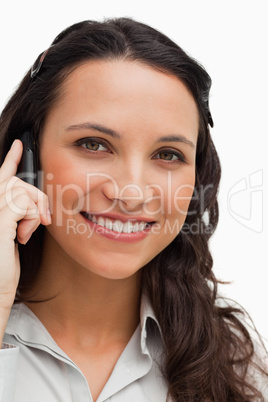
point(27, 328)
point(147, 315)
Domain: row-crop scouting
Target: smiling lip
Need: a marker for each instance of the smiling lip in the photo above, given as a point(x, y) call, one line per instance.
point(119, 228)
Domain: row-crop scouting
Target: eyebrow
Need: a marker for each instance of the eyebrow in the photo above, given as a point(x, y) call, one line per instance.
point(105, 130)
point(177, 138)
point(94, 126)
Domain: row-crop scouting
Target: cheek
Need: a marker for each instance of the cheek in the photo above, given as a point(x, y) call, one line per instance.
point(62, 183)
point(177, 203)
point(71, 188)
point(179, 192)
point(182, 198)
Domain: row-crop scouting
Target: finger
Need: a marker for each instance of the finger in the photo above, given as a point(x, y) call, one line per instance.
point(9, 217)
point(22, 210)
point(26, 228)
point(12, 187)
point(11, 162)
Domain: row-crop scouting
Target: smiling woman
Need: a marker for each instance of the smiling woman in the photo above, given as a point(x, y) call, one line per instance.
point(108, 260)
point(138, 155)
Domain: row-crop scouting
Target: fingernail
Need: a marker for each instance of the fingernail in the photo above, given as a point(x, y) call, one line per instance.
point(13, 144)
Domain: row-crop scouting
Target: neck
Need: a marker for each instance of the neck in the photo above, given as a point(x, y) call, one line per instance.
point(81, 302)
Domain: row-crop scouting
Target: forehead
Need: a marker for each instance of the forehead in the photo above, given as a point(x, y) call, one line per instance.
point(118, 91)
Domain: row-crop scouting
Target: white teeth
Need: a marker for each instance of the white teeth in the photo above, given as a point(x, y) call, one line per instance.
point(109, 224)
point(127, 228)
point(142, 226)
point(136, 227)
point(93, 218)
point(101, 221)
point(117, 225)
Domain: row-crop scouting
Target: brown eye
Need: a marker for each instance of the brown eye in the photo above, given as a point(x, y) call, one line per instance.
point(167, 156)
point(93, 145)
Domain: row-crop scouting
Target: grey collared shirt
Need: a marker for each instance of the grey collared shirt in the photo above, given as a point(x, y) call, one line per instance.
point(34, 369)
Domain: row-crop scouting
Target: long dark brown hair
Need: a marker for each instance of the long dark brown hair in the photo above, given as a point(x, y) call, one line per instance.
point(208, 351)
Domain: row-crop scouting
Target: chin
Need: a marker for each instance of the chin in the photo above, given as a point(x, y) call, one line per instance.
point(77, 252)
point(115, 271)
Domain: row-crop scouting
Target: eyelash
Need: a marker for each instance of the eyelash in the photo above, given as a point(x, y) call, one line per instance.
point(82, 143)
point(179, 156)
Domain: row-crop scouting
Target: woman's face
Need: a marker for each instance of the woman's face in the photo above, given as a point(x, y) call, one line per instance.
point(118, 157)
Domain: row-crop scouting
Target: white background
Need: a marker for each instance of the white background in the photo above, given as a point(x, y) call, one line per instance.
point(230, 39)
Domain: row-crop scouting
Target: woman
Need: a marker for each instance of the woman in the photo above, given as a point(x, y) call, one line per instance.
point(108, 261)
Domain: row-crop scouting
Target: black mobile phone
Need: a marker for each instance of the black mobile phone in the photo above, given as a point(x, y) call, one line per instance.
point(27, 169)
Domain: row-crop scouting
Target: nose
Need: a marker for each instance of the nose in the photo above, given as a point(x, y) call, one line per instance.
point(131, 190)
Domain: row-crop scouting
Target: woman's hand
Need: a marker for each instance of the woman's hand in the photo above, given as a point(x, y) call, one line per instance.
point(22, 208)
